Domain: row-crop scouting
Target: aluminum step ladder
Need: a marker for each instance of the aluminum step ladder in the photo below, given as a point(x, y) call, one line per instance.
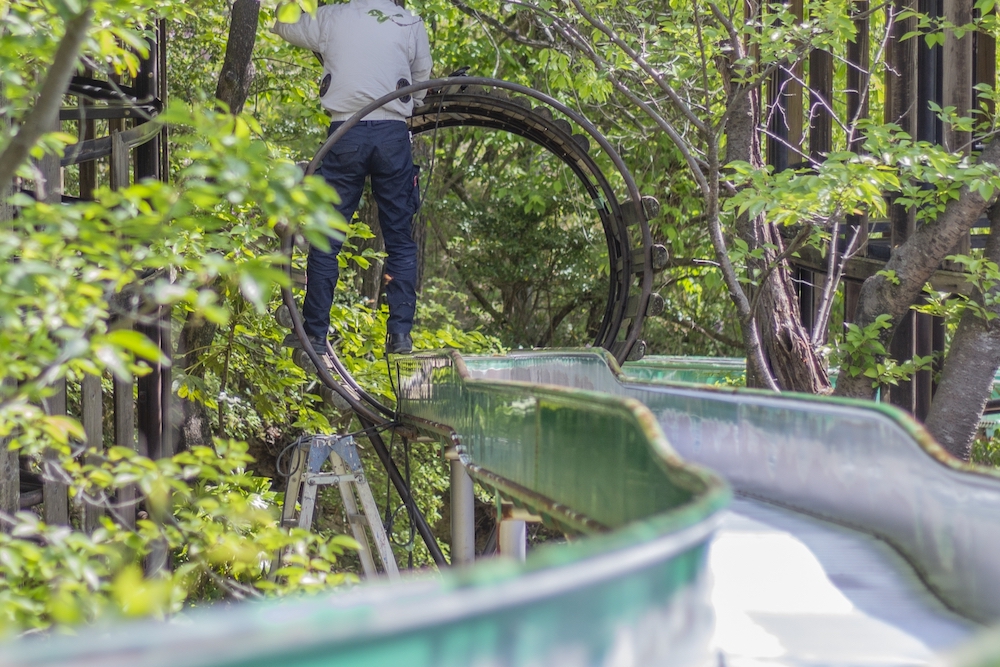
point(306, 476)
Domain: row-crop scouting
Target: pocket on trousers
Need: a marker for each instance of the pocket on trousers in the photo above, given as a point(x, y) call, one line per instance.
point(344, 154)
point(344, 149)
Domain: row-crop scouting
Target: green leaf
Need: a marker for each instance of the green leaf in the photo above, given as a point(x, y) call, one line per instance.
point(289, 12)
point(138, 344)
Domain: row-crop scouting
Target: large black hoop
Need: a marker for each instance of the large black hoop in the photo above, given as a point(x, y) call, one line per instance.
point(483, 102)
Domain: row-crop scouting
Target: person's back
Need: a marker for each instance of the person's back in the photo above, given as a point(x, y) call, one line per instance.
point(369, 48)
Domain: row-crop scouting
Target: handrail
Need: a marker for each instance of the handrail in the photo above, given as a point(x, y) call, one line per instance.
point(94, 149)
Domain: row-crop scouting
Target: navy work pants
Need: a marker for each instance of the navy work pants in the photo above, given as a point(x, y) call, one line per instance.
point(381, 150)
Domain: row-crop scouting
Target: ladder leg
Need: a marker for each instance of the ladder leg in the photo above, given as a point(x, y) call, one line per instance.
point(297, 465)
point(354, 518)
point(375, 524)
point(308, 505)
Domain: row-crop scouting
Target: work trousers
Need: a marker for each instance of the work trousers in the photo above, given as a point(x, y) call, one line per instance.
point(379, 149)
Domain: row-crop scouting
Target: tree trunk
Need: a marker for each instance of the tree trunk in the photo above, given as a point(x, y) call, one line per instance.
point(196, 337)
point(973, 359)
point(198, 334)
point(369, 281)
point(789, 352)
point(237, 70)
point(911, 265)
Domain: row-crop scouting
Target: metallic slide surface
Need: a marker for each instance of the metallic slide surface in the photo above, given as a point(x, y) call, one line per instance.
point(864, 467)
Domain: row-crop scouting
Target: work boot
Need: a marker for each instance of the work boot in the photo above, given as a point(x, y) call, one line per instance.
point(398, 343)
point(293, 341)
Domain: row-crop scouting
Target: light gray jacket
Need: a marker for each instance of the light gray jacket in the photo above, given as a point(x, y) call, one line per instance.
point(368, 47)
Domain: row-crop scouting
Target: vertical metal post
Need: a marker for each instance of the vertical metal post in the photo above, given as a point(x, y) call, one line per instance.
point(959, 67)
point(463, 522)
point(858, 90)
point(820, 143)
point(985, 63)
point(124, 401)
point(902, 347)
point(901, 97)
point(154, 389)
point(125, 437)
point(958, 76)
point(513, 539)
point(55, 510)
point(852, 294)
point(10, 471)
point(54, 493)
point(167, 421)
point(148, 400)
point(92, 407)
point(91, 393)
point(87, 131)
point(777, 120)
point(901, 108)
point(512, 534)
point(820, 102)
point(929, 84)
point(923, 343)
point(147, 156)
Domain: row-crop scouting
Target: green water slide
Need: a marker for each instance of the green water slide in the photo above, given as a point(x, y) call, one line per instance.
point(852, 538)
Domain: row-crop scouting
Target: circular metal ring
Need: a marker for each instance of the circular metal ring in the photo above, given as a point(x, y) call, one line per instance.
point(495, 112)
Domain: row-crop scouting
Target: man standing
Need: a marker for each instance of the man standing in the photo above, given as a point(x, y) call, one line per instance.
point(369, 48)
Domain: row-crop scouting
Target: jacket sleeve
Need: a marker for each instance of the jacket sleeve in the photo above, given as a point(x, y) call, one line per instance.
point(306, 32)
point(420, 63)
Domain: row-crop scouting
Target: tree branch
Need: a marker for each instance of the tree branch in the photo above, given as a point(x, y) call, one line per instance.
point(45, 114)
point(913, 263)
point(497, 25)
point(681, 105)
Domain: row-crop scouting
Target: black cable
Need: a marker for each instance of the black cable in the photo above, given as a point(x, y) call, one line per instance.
point(391, 514)
point(434, 135)
point(282, 454)
point(377, 428)
point(388, 490)
point(392, 385)
point(409, 557)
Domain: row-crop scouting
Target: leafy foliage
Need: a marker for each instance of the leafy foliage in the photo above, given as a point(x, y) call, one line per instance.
point(219, 523)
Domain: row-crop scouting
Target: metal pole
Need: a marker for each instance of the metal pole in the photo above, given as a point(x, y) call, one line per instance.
point(463, 523)
point(513, 538)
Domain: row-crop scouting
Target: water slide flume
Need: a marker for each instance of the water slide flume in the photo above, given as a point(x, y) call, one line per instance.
point(863, 465)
